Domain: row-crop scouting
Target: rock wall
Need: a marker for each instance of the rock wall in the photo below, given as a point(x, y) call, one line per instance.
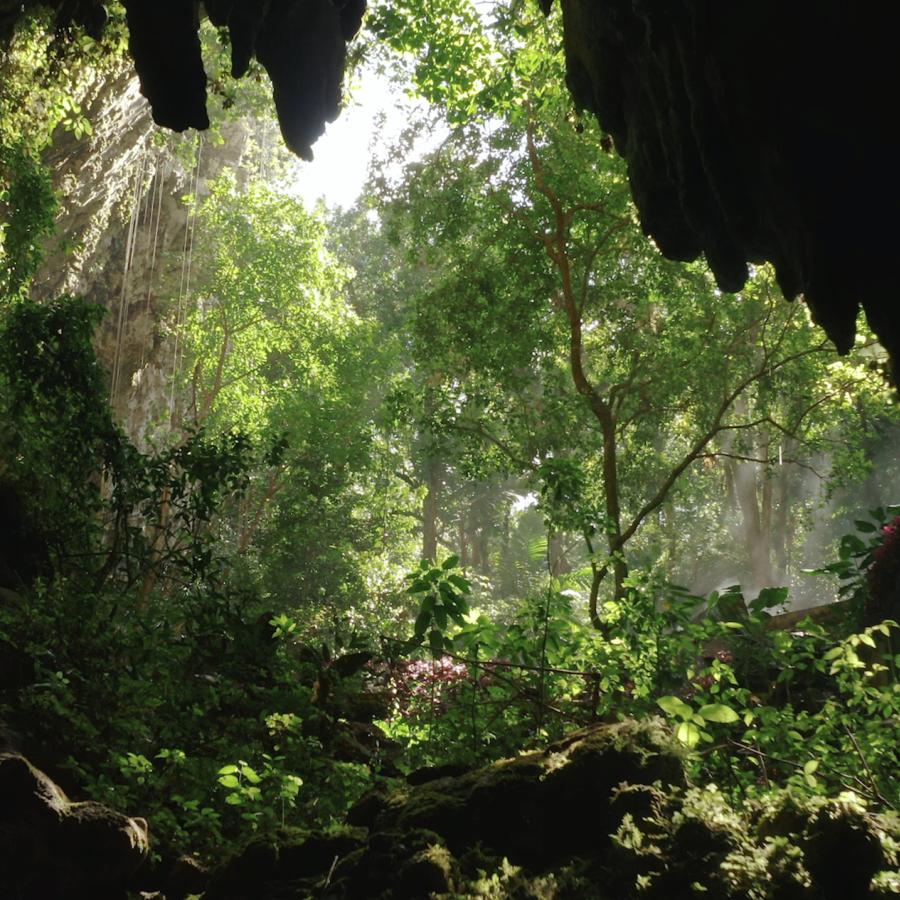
point(125, 238)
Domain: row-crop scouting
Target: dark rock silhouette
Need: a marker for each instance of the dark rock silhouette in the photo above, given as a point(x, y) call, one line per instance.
point(53, 847)
point(605, 813)
point(302, 44)
point(756, 132)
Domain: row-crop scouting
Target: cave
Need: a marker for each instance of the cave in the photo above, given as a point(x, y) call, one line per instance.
point(744, 127)
point(525, 529)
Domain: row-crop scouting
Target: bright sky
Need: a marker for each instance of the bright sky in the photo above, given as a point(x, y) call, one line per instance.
point(374, 117)
point(341, 156)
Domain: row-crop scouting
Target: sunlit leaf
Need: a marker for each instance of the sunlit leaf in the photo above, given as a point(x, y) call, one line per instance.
point(674, 706)
point(718, 712)
point(688, 733)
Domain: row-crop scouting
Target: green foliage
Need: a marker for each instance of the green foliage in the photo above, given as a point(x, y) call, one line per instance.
point(762, 709)
point(690, 722)
point(442, 591)
point(272, 347)
point(553, 344)
point(29, 204)
point(452, 72)
point(152, 667)
point(488, 349)
point(857, 551)
point(41, 78)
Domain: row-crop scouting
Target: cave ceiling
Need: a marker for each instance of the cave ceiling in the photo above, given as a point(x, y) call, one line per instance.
point(757, 132)
point(753, 131)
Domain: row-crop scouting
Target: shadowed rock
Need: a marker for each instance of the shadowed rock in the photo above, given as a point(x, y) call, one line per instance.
point(606, 814)
point(756, 132)
point(53, 847)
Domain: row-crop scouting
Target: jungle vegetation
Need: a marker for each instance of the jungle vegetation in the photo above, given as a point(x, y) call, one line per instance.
point(434, 478)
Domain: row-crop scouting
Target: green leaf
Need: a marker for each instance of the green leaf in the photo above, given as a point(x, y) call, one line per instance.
point(229, 781)
point(851, 545)
point(227, 770)
point(688, 733)
point(769, 597)
point(810, 766)
point(459, 582)
point(674, 706)
point(422, 622)
point(866, 527)
point(451, 562)
point(250, 775)
point(537, 549)
point(718, 712)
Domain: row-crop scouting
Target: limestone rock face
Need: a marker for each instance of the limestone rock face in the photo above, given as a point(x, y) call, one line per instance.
point(756, 132)
point(128, 240)
point(53, 847)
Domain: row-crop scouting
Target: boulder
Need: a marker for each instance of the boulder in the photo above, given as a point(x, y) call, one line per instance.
point(51, 846)
point(605, 814)
point(544, 817)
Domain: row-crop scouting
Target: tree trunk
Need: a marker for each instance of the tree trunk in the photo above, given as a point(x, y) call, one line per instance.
point(782, 524)
point(754, 536)
point(430, 508)
point(465, 557)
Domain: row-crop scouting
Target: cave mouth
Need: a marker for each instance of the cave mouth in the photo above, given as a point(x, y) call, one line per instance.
point(456, 538)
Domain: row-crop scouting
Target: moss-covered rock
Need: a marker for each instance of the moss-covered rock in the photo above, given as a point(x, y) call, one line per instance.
point(286, 864)
point(792, 848)
point(542, 807)
point(531, 826)
point(605, 814)
point(837, 832)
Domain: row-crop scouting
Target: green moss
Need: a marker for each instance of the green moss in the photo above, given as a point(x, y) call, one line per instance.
point(430, 871)
point(606, 814)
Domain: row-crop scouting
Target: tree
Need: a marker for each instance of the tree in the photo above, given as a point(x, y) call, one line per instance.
point(533, 276)
point(272, 348)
